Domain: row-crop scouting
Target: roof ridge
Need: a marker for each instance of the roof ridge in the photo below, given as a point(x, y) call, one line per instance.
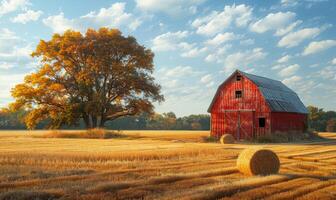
point(260, 76)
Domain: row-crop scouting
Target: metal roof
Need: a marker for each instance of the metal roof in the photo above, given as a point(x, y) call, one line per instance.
point(279, 97)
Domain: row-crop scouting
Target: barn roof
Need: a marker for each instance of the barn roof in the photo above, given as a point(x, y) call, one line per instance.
point(279, 97)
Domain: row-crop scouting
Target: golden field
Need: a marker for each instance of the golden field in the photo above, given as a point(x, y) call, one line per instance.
point(157, 165)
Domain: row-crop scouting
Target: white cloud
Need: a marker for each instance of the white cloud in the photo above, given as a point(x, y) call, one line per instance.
point(14, 52)
point(171, 7)
point(29, 15)
point(8, 40)
point(218, 54)
point(275, 67)
point(284, 59)
point(328, 72)
point(59, 23)
point(7, 81)
point(169, 41)
point(112, 17)
point(333, 61)
point(289, 2)
point(194, 52)
point(315, 47)
point(221, 38)
point(241, 60)
point(216, 22)
point(179, 71)
point(206, 78)
point(295, 38)
point(289, 71)
point(289, 28)
point(274, 21)
point(7, 6)
point(247, 42)
point(292, 81)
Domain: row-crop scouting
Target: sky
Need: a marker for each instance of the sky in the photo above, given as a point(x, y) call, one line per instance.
point(197, 43)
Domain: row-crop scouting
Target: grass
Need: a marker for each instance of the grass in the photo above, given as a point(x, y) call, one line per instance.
point(97, 133)
point(155, 165)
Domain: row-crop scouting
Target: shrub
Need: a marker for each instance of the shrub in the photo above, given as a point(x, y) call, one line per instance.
point(210, 139)
point(291, 136)
point(97, 133)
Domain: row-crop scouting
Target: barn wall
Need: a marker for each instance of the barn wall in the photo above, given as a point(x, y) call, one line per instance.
point(226, 122)
point(286, 122)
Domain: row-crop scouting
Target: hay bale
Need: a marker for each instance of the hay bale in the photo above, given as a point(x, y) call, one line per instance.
point(256, 161)
point(227, 139)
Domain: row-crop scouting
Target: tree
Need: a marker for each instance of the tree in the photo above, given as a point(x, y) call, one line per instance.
point(331, 125)
point(315, 118)
point(97, 77)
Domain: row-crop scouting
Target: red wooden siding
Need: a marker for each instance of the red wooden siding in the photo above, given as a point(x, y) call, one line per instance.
point(228, 112)
point(288, 121)
point(227, 109)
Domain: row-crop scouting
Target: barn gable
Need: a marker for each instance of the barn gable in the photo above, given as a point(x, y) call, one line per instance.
point(278, 96)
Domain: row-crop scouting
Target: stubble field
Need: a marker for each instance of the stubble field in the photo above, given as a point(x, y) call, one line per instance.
point(157, 165)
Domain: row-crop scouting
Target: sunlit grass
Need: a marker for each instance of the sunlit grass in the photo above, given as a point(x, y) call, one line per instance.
point(152, 165)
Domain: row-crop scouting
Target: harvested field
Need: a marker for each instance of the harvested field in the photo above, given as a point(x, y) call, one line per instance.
point(157, 165)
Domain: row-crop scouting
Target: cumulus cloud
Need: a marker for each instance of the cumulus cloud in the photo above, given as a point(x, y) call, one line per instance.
point(221, 38)
point(279, 22)
point(193, 52)
point(207, 80)
point(216, 22)
point(289, 2)
point(289, 71)
point(243, 59)
point(8, 6)
point(7, 81)
point(318, 46)
point(333, 61)
point(295, 38)
point(169, 41)
point(292, 81)
point(289, 28)
point(13, 50)
point(218, 54)
point(179, 71)
point(328, 72)
point(28, 16)
point(284, 59)
point(171, 7)
point(247, 42)
point(113, 17)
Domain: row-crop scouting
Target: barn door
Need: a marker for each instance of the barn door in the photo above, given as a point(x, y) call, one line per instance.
point(239, 124)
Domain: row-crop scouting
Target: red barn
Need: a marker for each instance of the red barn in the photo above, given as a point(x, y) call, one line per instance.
point(247, 106)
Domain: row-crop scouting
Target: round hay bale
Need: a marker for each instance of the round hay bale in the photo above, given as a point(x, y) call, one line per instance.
point(256, 161)
point(227, 139)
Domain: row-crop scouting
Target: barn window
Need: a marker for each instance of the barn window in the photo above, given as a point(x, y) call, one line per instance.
point(262, 122)
point(239, 94)
point(238, 77)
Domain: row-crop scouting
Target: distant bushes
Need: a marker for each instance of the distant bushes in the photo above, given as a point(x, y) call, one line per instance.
point(284, 137)
point(97, 133)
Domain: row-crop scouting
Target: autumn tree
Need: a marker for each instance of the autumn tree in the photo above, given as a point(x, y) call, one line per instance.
point(97, 77)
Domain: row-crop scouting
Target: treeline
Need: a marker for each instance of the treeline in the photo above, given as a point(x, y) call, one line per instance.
point(165, 121)
point(318, 120)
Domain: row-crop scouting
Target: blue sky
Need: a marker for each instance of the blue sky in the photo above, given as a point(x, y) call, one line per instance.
point(197, 43)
